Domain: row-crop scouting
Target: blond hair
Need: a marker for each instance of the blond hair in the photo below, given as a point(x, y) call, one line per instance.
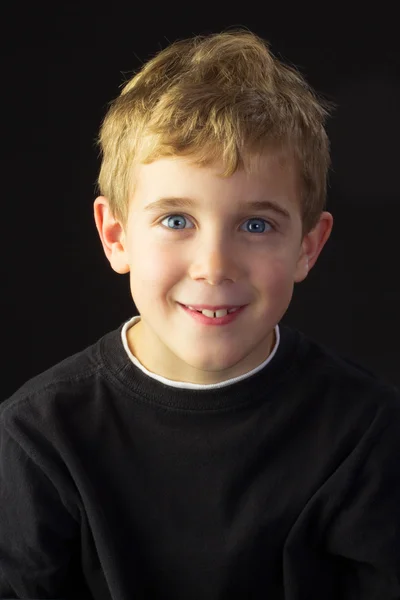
point(218, 97)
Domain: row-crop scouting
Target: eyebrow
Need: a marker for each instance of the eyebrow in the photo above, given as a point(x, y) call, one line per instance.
point(176, 203)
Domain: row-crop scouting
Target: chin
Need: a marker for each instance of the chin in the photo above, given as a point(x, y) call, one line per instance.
point(212, 364)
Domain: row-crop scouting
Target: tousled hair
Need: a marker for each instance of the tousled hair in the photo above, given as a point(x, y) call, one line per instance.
point(220, 97)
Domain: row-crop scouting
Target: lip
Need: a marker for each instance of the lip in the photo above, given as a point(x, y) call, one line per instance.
point(214, 308)
point(216, 321)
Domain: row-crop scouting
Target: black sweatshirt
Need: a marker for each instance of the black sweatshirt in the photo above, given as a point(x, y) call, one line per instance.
point(283, 485)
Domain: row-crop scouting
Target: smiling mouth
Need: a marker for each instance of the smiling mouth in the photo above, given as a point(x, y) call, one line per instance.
point(212, 314)
point(221, 312)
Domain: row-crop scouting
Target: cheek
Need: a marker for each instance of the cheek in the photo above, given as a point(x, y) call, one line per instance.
point(274, 271)
point(155, 265)
point(276, 288)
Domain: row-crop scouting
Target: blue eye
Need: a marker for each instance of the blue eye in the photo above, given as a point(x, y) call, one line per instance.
point(258, 227)
point(177, 222)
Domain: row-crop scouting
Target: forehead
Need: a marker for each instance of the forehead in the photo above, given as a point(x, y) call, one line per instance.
point(272, 175)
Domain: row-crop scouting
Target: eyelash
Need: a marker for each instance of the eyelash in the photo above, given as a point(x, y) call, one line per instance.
point(272, 226)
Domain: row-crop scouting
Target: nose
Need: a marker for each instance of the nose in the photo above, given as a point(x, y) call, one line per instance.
point(215, 262)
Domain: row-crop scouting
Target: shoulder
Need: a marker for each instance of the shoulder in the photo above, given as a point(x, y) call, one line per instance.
point(70, 378)
point(329, 374)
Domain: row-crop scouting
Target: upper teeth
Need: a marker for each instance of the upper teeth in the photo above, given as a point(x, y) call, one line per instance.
point(218, 313)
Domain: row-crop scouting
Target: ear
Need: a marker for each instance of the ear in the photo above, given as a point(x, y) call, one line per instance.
point(312, 245)
point(112, 235)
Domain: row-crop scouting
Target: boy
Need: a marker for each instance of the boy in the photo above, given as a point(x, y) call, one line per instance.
point(203, 451)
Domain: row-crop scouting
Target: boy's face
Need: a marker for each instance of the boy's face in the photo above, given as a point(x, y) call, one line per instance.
point(220, 250)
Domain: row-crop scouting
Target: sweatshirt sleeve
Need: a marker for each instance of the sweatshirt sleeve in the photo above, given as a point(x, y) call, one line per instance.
point(39, 537)
point(364, 533)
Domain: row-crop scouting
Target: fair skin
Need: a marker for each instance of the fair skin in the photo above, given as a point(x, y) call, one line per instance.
point(218, 251)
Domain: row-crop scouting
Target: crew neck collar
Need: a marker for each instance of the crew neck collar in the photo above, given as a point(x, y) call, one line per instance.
point(250, 387)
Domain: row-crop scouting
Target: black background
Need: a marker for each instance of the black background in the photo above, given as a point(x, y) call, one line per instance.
point(61, 67)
